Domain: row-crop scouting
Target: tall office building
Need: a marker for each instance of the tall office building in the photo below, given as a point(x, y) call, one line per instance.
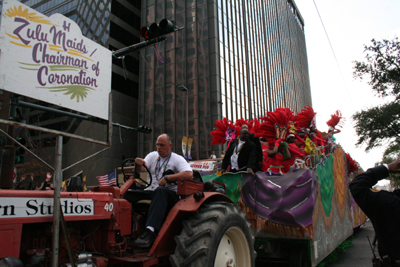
point(233, 59)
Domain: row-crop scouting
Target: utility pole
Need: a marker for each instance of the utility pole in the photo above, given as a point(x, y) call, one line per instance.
point(7, 166)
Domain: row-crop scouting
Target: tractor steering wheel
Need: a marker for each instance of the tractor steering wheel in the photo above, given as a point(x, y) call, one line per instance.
point(129, 162)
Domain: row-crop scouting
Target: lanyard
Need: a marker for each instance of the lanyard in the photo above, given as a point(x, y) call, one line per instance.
point(237, 151)
point(160, 165)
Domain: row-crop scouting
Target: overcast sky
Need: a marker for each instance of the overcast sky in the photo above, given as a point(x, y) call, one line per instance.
point(349, 25)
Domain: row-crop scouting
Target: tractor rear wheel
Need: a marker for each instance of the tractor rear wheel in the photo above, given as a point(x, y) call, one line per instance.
point(217, 235)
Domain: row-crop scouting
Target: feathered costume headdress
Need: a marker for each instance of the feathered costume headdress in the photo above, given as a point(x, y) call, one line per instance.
point(336, 120)
point(225, 131)
point(275, 124)
point(253, 125)
point(305, 118)
point(240, 122)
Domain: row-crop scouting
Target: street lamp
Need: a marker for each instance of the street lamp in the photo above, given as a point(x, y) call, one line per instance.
point(184, 89)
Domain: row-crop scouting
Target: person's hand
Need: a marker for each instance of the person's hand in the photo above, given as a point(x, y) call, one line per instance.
point(394, 167)
point(139, 162)
point(31, 177)
point(249, 170)
point(162, 182)
point(223, 170)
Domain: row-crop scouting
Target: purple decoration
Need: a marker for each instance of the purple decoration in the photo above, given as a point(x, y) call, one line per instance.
point(285, 199)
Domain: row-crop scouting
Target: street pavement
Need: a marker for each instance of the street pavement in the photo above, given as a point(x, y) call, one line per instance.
point(360, 254)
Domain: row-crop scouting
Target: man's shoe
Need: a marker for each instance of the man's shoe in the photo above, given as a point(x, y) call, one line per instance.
point(145, 240)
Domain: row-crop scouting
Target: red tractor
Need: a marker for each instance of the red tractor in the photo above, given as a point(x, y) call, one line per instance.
point(203, 229)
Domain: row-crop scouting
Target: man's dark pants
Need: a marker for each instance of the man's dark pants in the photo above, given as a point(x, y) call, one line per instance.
point(162, 201)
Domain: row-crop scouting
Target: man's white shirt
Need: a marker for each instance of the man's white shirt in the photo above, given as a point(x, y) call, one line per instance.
point(176, 163)
point(235, 155)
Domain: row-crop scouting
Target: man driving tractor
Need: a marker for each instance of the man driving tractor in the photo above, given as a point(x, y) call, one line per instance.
point(163, 188)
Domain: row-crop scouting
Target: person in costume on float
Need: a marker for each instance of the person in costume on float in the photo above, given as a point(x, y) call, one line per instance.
point(300, 139)
point(241, 154)
point(274, 131)
point(310, 147)
point(382, 208)
point(162, 191)
point(279, 158)
point(335, 121)
point(294, 148)
point(294, 142)
point(317, 139)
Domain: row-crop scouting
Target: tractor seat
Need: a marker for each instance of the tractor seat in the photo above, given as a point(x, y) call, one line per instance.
point(144, 201)
point(143, 204)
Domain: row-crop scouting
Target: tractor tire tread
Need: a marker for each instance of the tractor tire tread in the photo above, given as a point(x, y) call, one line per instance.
point(199, 240)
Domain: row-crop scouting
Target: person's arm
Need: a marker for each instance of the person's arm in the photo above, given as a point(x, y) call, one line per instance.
point(171, 178)
point(316, 139)
point(334, 131)
point(299, 140)
point(361, 186)
point(44, 185)
point(184, 171)
point(276, 148)
point(139, 162)
point(271, 153)
point(40, 187)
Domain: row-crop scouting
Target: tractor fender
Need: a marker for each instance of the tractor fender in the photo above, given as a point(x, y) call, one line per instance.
point(165, 243)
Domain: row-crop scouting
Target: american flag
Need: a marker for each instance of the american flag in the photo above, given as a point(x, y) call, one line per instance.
point(108, 179)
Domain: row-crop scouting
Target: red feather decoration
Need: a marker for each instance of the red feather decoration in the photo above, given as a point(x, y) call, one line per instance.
point(352, 165)
point(256, 126)
point(218, 135)
point(253, 125)
point(240, 122)
point(281, 116)
point(305, 117)
point(336, 119)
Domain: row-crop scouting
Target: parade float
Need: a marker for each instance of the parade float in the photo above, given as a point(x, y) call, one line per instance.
point(300, 216)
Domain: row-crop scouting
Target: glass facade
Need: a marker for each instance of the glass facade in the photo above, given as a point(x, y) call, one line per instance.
point(237, 59)
point(262, 58)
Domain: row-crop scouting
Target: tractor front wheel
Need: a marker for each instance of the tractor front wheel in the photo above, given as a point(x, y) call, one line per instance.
point(217, 235)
